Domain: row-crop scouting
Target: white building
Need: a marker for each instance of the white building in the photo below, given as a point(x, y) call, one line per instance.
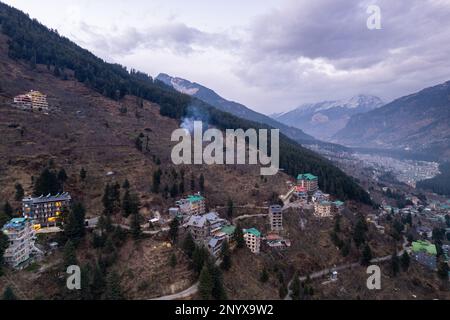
point(20, 233)
point(252, 239)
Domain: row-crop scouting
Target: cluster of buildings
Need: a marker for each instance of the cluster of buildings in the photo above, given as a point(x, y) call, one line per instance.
point(37, 212)
point(307, 191)
point(33, 100)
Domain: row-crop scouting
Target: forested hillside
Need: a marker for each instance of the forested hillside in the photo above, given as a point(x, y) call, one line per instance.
point(33, 42)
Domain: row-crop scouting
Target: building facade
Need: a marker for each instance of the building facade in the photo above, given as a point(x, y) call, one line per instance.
point(276, 218)
point(192, 205)
point(34, 100)
point(20, 233)
point(252, 239)
point(203, 227)
point(47, 210)
point(308, 181)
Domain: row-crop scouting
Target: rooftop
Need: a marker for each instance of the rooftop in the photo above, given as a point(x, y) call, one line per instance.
point(424, 246)
point(49, 198)
point(253, 231)
point(195, 198)
point(307, 176)
point(228, 230)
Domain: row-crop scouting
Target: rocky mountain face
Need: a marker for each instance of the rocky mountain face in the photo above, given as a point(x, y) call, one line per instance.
point(419, 122)
point(209, 96)
point(324, 119)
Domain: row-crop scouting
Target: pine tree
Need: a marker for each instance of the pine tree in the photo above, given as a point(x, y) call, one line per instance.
point(135, 226)
point(126, 184)
point(127, 204)
point(20, 193)
point(9, 295)
point(74, 223)
point(69, 254)
point(173, 231)
point(366, 255)
point(226, 256)
point(62, 176)
point(47, 183)
point(202, 183)
point(113, 290)
point(405, 261)
point(230, 208)
point(218, 290)
point(8, 210)
point(4, 243)
point(206, 284)
point(83, 174)
point(295, 288)
point(199, 257)
point(395, 264)
point(156, 181)
point(189, 245)
point(173, 260)
point(239, 237)
point(264, 276)
point(443, 270)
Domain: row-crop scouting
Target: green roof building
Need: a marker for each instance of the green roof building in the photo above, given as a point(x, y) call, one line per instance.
point(424, 246)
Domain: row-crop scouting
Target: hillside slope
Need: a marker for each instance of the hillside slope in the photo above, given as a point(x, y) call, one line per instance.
point(419, 122)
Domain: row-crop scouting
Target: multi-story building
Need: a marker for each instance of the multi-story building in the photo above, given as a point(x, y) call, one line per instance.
point(308, 181)
point(33, 100)
point(192, 205)
point(47, 210)
point(203, 227)
point(20, 234)
point(323, 209)
point(276, 218)
point(252, 239)
point(23, 101)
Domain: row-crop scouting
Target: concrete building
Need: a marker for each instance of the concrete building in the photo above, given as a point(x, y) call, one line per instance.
point(276, 218)
point(20, 233)
point(323, 209)
point(252, 239)
point(47, 210)
point(192, 205)
point(308, 181)
point(34, 100)
point(203, 227)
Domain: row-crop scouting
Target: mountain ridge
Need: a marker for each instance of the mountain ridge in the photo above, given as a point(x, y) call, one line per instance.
point(323, 119)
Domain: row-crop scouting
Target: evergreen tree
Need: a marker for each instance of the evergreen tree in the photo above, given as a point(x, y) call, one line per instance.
point(126, 184)
point(173, 231)
point(9, 295)
point(74, 223)
point(62, 176)
point(239, 237)
point(395, 264)
point(192, 183)
point(218, 290)
point(128, 205)
point(199, 257)
point(201, 183)
point(135, 226)
point(8, 210)
point(359, 232)
point(206, 283)
point(83, 174)
point(189, 245)
point(226, 256)
point(4, 243)
point(264, 276)
point(366, 255)
point(174, 190)
point(47, 183)
point(443, 270)
point(20, 193)
point(69, 254)
point(405, 261)
point(173, 260)
point(295, 288)
point(230, 208)
point(156, 181)
point(113, 290)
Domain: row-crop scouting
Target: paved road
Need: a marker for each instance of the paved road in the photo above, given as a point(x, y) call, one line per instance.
point(181, 295)
point(248, 216)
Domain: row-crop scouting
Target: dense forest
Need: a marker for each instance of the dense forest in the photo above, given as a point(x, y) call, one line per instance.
point(439, 184)
point(33, 42)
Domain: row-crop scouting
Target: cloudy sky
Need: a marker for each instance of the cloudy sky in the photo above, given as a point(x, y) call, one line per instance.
point(271, 55)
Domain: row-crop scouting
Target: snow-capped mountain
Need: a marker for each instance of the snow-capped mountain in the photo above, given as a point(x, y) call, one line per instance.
point(323, 119)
